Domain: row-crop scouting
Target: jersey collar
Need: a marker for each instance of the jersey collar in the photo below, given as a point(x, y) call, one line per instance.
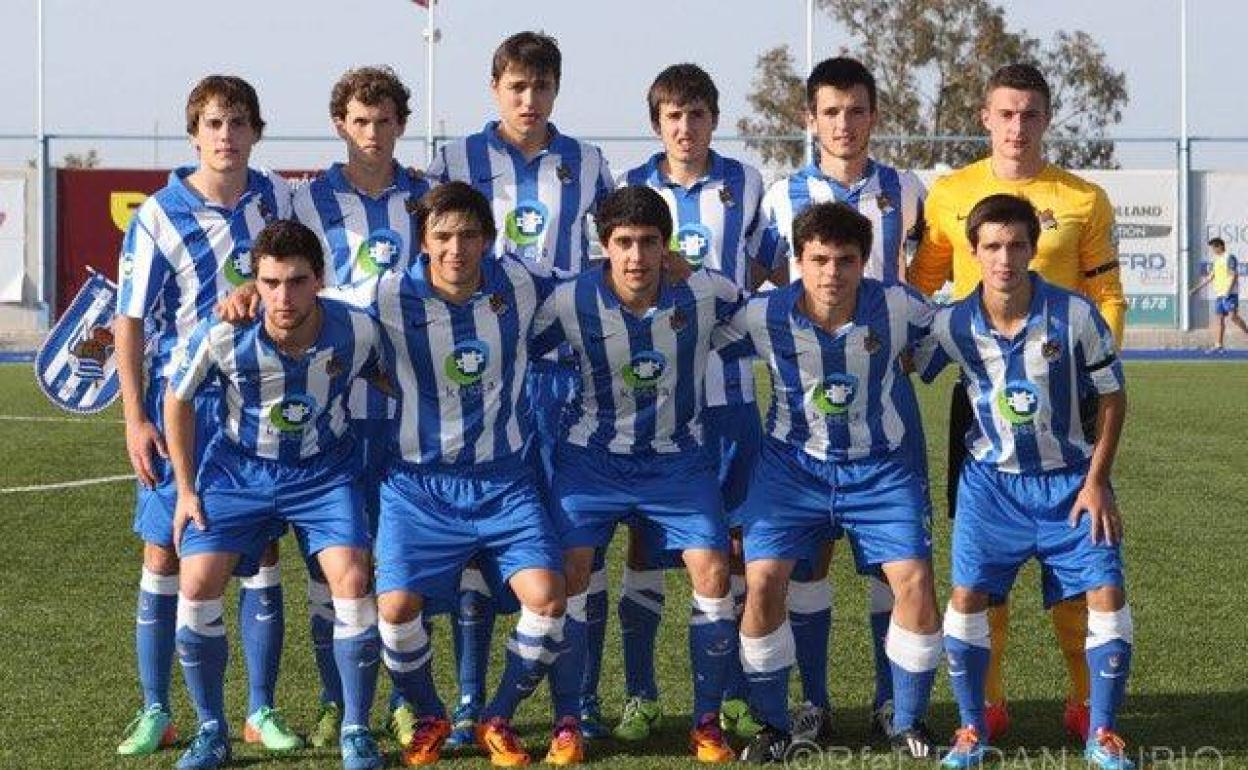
point(418, 277)
point(404, 181)
point(194, 201)
point(1037, 310)
point(803, 321)
point(610, 301)
point(841, 192)
point(556, 146)
point(656, 178)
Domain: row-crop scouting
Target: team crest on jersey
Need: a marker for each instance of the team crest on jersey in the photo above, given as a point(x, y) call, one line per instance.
point(725, 197)
point(871, 343)
point(378, 252)
point(335, 367)
point(265, 210)
point(410, 205)
point(678, 320)
point(126, 268)
point(564, 173)
point(498, 303)
point(466, 364)
point(88, 356)
point(238, 265)
point(645, 370)
point(837, 392)
point(1019, 401)
point(1051, 350)
point(1048, 220)
point(525, 223)
point(693, 242)
point(293, 413)
point(884, 202)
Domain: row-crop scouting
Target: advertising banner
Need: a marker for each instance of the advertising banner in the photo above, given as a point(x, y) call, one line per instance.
point(12, 238)
point(1221, 211)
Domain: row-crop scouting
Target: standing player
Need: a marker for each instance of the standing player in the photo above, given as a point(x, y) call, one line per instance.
point(633, 451)
point(1224, 276)
point(361, 212)
point(836, 456)
point(1076, 251)
point(715, 203)
point(283, 454)
point(541, 185)
point(842, 111)
point(1029, 352)
point(187, 246)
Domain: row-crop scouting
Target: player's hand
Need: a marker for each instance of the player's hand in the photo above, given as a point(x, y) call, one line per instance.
point(188, 511)
point(240, 306)
point(676, 268)
point(142, 439)
point(1097, 500)
point(906, 359)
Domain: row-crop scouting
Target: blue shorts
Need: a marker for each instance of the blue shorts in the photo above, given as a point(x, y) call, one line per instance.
point(1006, 518)
point(436, 519)
point(914, 446)
point(153, 508)
point(248, 502)
point(677, 493)
point(549, 387)
point(1226, 305)
point(733, 435)
point(798, 502)
point(374, 442)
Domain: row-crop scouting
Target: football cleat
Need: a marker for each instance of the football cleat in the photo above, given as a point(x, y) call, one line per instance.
point(707, 742)
point(463, 726)
point(402, 724)
point(359, 749)
point(151, 729)
point(812, 724)
point(769, 746)
point(735, 717)
point(915, 741)
point(996, 720)
point(640, 717)
point(967, 750)
point(209, 749)
point(592, 725)
point(500, 743)
point(881, 725)
point(425, 747)
point(1107, 751)
point(268, 728)
point(1076, 719)
point(567, 746)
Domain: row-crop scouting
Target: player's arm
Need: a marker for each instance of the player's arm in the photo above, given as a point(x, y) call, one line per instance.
point(1232, 264)
point(731, 338)
point(1100, 278)
point(929, 355)
point(933, 259)
point(240, 305)
point(547, 331)
point(1203, 283)
point(1101, 371)
point(179, 413)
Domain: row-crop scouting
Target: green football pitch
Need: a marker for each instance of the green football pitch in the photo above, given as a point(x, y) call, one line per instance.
point(68, 683)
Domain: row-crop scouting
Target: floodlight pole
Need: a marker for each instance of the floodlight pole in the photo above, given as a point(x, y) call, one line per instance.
point(1185, 172)
point(431, 39)
point(41, 165)
point(810, 65)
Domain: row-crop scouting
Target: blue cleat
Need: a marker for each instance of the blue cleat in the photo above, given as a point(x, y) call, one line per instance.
point(359, 749)
point(1107, 751)
point(592, 726)
point(967, 750)
point(463, 726)
point(209, 749)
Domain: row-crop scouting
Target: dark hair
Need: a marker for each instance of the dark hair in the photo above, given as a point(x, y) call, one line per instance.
point(231, 91)
point(529, 51)
point(837, 223)
point(842, 73)
point(1217, 243)
point(287, 239)
point(1003, 209)
point(634, 205)
point(682, 84)
point(1020, 77)
point(455, 198)
point(370, 86)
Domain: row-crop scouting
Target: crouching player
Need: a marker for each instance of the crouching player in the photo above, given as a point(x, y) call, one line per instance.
point(835, 455)
point(633, 451)
point(283, 455)
point(1029, 352)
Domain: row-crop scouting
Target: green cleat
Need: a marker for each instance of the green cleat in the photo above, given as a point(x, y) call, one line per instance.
point(150, 730)
point(402, 724)
point(328, 723)
point(640, 717)
point(269, 728)
point(735, 717)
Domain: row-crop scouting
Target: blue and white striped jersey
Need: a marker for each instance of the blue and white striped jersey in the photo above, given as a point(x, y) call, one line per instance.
point(719, 224)
point(182, 255)
point(274, 406)
point(891, 199)
point(641, 376)
point(835, 394)
point(1025, 391)
point(459, 369)
point(540, 205)
point(362, 236)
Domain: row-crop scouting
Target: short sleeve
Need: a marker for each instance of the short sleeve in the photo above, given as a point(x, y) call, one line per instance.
point(142, 269)
point(197, 363)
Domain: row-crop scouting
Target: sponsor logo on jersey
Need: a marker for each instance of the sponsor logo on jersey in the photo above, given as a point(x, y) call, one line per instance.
point(467, 363)
point(693, 242)
point(293, 413)
point(837, 392)
point(1019, 401)
point(238, 265)
point(525, 223)
point(644, 370)
point(378, 252)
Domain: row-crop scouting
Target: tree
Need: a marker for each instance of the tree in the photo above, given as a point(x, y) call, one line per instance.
point(931, 59)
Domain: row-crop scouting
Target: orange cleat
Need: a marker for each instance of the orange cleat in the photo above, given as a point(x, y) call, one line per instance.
point(707, 741)
point(997, 720)
point(567, 747)
point(501, 744)
point(425, 747)
point(1076, 719)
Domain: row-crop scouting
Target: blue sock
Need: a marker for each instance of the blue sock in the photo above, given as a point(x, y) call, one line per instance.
point(967, 646)
point(881, 597)
point(357, 650)
point(321, 617)
point(913, 658)
point(567, 669)
point(155, 624)
point(262, 622)
point(597, 602)
point(406, 649)
point(810, 615)
point(735, 686)
point(203, 650)
point(640, 610)
point(474, 629)
point(534, 645)
point(1109, 665)
point(711, 630)
point(767, 661)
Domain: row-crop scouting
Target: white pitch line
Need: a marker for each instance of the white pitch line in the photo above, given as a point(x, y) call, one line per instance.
point(80, 420)
point(67, 484)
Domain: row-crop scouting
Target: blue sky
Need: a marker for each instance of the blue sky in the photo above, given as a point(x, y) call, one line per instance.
point(125, 67)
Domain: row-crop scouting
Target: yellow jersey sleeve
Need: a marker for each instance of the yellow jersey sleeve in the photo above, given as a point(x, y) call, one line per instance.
point(1101, 279)
point(933, 261)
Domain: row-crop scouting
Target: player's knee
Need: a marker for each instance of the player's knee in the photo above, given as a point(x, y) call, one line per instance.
point(1106, 599)
point(914, 584)
point(159, 559)
point(966, 601)
point(352, 583)
point(396, 607)
point(710, 578)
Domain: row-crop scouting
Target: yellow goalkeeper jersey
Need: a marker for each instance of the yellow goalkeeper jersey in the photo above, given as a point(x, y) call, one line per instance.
point(1077, 250)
